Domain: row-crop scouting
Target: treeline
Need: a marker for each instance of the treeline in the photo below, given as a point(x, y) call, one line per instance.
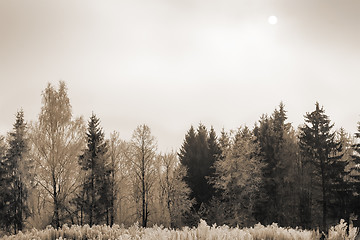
point(307, 177)
point(61, 169)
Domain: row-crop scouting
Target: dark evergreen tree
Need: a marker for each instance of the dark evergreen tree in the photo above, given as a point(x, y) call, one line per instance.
point(186, 156)
point(5, 196)
point(214, 151)
point(187, 150)
point(355, 175)
point(96, 186)
point(276, 141)
point(17, 172)
point(203, 189)
point(318, 145)
point(224, 144)
point(339, 204)
point(198, 153)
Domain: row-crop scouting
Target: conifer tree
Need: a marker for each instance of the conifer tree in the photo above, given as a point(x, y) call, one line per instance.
point(318, 144)
point(96, 186)
point(341, 186)
point(5, 195)
point(202, 189)
point(198, 154)
point(18, 166)
point(239, 178)
point(187, 150)
point(355, 174)
point(273, 133)
point(224, 144)
point(214, 154)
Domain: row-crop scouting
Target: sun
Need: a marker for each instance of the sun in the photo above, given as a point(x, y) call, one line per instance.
point(272, 20)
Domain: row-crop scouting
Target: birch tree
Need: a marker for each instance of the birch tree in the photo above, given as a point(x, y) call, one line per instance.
point(57, 139)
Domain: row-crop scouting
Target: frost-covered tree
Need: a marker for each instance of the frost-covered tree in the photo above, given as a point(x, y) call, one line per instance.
point(239, 177)
point(56, 142)
point(141, 155)
point(174, 190)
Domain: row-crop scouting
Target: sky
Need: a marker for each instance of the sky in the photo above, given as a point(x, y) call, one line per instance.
point(171, 64)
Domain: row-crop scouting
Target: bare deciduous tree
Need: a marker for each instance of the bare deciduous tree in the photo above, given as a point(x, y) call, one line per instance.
point(141, 154)
point(57, 140)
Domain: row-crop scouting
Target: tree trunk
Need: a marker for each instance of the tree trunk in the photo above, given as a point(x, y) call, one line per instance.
point(324, 206)
point(92, 199)
point(143, 201)
point(56, 203)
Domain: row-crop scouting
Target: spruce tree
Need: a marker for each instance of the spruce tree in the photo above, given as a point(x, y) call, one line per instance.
point(202, 190)
point(198, 154)
point(96, 185)
point(270, 135)
point(214, 151)
point(5, 195)
point(318, 145)
point(339, 205)
point(238, 176)
point(186, 155)
point(355, 174)
point(18, 173)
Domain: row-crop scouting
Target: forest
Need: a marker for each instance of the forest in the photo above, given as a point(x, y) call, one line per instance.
point(63, 170)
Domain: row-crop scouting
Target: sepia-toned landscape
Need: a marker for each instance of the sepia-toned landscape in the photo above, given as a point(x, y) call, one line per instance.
point(179, 119)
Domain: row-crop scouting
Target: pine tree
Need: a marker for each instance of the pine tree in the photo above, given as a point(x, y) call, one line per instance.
point(318, 144)
point(341, 184)
point(239, 178)
point(187, 155)
point(214, 154)
point(96, 185)
point(272, 134)
point(187, 150)
point(18, 173)
point(202, 189)
point(5, 195)
point(355, 174)
point(198, 154)
point(224, 144)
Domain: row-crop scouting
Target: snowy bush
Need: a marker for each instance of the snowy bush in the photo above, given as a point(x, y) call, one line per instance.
point(202, 232)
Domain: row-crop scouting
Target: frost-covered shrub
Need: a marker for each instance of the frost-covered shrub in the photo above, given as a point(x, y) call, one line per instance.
point(339, 232)
point(202, 232)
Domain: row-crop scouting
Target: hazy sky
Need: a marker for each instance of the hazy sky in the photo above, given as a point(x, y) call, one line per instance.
point(173, 63)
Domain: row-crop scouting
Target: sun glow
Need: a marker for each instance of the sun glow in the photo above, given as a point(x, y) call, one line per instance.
point(272, 20)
